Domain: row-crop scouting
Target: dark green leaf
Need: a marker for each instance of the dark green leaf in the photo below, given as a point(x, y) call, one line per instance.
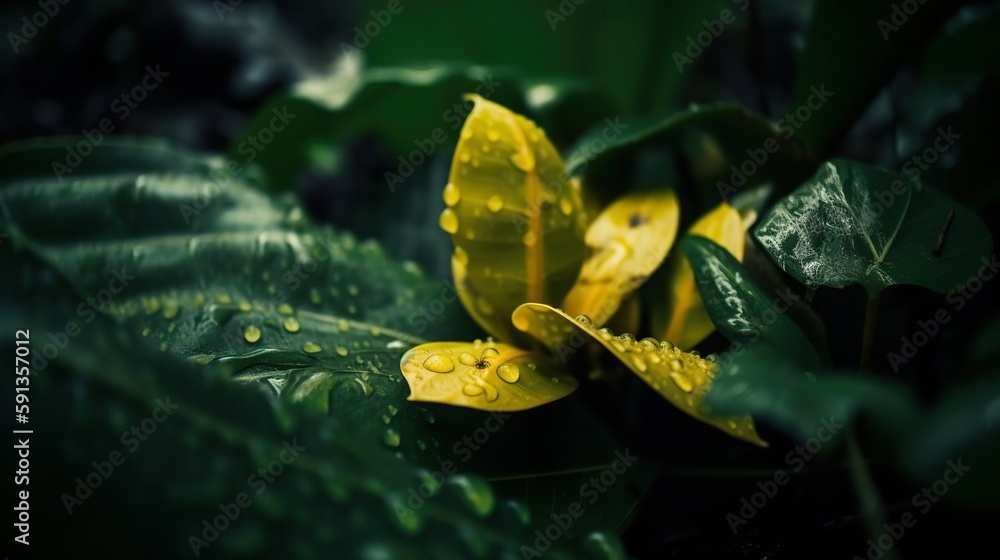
point(857, 224)
point(742, 311)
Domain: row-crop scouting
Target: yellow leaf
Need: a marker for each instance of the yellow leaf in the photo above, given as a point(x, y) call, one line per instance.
point(628, 242)
point(515, 217)
point(683, 318)
point(483, 375)
point(680, 377)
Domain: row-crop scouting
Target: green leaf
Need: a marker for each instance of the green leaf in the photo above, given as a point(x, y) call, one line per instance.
point(853, 67)
point(741, 310)
point(717, 142)
point(224, 275)
point(857, 224)
point(554, 40)
point(761, 380)
point(336, 489)
point(964, 425)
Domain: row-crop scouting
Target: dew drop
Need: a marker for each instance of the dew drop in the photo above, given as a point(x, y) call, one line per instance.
point(627, 338)
point(439, 363)
point(509, 372)
point(565, 206)
point(451, 193)
point(311, 347)
point(493, 135)
point(495, 203)
point(465, 157)
point(224, 299)
point(245, 306)
point(365, 387)
point(666, 346)
point(649, 343)
point(476, 493)
point(251, 334)
point(449, 221)
point(461, 256)
point(639, 363)
point(676, 365)
point(343, 325)
point(284, 309)
point(391, 438)
point(292, 325)
point(731, 424)
point(681, 380)
point(170, 310)
point(467, 359)
point(522, 161)
point(585, 321)
point(530, 239)
point(466, 133)
point(606, 333)
point(472, 390)
point(352, 290)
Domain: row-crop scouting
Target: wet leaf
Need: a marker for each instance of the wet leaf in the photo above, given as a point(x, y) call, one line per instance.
point(742, 311)
point(483, 375)
point(853, 223)
point(628, 241)
point(682, 317)
point(516, 219)
point(682, 378)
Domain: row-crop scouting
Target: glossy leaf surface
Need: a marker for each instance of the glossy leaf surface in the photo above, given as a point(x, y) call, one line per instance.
point(628, 240)
point(680, 377)
point(515, 218)
point(853, 223)
point(483, 375)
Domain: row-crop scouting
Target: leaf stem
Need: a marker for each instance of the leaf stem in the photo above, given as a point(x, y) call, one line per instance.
point(868, 496)
point(871, 315)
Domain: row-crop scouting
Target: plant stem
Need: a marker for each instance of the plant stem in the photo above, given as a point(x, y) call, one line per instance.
point(871, 315)
point(868, 496)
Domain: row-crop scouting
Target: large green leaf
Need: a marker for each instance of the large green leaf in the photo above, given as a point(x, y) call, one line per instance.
point(726, 149)
point(761, 380)
point(221, 274)
point(554, 39)
point(330, 488)
point(854, 66)
point(742, 311)
point(853, 223)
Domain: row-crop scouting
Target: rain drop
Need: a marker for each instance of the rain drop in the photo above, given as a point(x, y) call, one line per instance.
point(681, 380)
point(522, 161)
point(461, 256)
point(343, 325)
point(451, 193)
point(495, 203)
point(251, 334)
point(341, 351)
point(439, 363)
point(311, 347)
point(565, 206)
point(291, 324)
point(585, 321)
point(449, 221)
point(508, 372)
point(391, 438)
